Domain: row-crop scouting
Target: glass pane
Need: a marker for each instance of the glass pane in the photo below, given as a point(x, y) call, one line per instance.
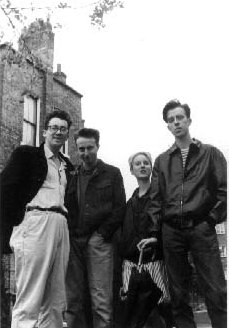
point(28, 134)
point(32, 110)
point(26, 109)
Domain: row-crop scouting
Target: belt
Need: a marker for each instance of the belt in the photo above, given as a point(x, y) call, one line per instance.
point(48, 209)
point(184, 223)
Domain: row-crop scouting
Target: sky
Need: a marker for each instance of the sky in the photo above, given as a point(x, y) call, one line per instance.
point(149, 53)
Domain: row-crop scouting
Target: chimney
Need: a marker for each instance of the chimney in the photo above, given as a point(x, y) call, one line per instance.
point(60, 75)
point(39, 39)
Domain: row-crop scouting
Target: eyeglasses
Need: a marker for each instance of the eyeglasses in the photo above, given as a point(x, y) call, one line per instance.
point(55, 128)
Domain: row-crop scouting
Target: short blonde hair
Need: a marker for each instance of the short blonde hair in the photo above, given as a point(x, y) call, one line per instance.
point(132, 157)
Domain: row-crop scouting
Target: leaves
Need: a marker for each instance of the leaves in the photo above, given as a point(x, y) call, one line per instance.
point(104, 6)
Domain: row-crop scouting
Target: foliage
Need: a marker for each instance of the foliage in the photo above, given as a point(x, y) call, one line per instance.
point(102, 8)
point(16, 16)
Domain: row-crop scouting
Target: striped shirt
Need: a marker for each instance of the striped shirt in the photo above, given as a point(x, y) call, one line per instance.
point(184, 154)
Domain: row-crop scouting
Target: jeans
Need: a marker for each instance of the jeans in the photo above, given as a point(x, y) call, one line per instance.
point(201, 241)
point(90, 283)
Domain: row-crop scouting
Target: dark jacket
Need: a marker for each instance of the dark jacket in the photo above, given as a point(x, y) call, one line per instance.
point(104, 203)
point(139, 224)
point(197, 192)
point(21, 179)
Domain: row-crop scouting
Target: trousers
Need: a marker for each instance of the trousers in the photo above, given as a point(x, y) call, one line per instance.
point(41, 248)
point(90, 283)
point(201, 241)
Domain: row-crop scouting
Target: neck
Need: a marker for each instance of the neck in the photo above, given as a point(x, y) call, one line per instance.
point(143, 186)
point(54, 150)
point(183, 142)
point(89, 167)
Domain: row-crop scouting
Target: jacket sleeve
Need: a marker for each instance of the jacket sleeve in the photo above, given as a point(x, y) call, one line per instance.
point(111, 224)
point(11, 179)
point(155, 208)
point(218, 184)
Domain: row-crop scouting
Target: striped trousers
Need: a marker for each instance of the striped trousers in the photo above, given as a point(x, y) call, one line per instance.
point(157, 271)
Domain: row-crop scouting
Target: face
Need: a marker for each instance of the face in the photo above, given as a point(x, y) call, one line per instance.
point(87, 150)
point(178, 122)
point(141, 167)
point(56, 133)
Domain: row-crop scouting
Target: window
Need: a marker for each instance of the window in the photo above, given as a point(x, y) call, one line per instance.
point(64, 149)
point(220, 229)
point(223, 251)
point(31, 121)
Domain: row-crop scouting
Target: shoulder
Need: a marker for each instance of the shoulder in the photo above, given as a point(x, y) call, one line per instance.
point(24, 152)
point(68, 162)
point(109, 168)
point(26, 149)
point(213, 150)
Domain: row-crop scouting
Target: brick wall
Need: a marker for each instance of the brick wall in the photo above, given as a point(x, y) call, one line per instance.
point(23, 73)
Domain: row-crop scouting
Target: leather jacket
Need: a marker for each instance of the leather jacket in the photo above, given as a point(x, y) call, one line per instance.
point(103, 206)
point(137, 225)
point(194, 193)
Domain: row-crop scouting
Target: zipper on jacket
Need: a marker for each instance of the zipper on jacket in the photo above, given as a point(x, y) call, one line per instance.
point(182, 190)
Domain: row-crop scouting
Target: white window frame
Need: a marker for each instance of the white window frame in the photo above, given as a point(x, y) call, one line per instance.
point(223, 250)
point(64, 149)
point(31, 120)
point(220, 229)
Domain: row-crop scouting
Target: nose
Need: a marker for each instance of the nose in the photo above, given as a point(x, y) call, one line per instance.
point(86, 152)
point(176, 121)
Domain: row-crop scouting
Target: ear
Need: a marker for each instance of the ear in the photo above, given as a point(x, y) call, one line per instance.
point(189, 121)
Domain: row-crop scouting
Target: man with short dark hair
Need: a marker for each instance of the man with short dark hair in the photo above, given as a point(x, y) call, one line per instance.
point(189, 198)
point(33, 187)
point(96, 202)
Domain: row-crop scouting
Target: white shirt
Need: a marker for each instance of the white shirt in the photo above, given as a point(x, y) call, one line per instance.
point(53, 188)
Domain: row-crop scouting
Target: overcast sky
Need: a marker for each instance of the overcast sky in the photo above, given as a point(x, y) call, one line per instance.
point(150, 52)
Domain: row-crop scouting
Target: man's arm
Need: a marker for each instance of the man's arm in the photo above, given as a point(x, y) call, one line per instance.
point(155, 210)
point(218, 183)
point(112, 223)
point(11, 184)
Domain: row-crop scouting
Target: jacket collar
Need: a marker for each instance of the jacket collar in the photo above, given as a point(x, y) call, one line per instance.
point(100, 166)
point(195, 145)
point(69, 164)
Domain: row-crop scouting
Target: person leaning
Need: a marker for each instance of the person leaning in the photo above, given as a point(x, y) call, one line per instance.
point(32, 204)
point(189, 197)
point(96, 202)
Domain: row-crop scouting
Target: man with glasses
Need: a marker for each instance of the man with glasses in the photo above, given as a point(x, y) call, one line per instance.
point(189, 197)
point(33, 187)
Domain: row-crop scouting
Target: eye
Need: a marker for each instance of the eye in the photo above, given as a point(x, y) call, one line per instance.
point(170, 120)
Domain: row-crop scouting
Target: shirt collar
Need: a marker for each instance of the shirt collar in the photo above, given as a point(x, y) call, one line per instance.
point(195, 144)
point(48, 153)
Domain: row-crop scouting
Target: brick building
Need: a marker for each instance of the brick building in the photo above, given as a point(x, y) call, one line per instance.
point(29, 90)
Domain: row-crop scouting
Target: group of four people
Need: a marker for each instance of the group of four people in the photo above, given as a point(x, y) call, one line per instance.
point(64, 225)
